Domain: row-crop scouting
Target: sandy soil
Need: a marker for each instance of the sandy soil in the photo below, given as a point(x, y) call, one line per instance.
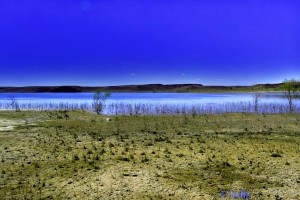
point(8, 125)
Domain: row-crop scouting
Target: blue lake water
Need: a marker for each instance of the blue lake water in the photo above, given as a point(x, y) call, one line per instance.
point(213, 101)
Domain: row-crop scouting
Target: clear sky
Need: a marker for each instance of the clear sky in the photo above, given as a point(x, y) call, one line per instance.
point(113, 42)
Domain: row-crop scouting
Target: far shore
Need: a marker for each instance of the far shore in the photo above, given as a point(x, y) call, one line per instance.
point(152, 88)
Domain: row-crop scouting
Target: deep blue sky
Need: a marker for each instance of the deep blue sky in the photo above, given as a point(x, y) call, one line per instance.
point(110, 42)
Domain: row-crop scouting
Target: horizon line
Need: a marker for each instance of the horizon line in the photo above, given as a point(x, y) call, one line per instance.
point(71, 85)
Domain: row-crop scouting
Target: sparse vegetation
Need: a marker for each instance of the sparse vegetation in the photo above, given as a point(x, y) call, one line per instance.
point(148, 157)
point(99, 101)
point(14, 104)
point(291, 90)
point(256, 98)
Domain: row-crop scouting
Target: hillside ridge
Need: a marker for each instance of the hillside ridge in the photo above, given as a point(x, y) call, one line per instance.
point(139, 88)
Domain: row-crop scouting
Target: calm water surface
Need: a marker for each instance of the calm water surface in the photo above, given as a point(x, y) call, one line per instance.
point(166, 99)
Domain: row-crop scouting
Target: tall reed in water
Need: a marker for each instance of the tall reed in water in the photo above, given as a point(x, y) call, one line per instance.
point(159, 109)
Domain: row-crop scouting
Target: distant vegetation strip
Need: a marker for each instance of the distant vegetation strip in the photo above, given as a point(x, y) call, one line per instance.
point(143, 88)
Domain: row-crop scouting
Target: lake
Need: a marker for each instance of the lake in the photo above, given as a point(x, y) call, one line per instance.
point(159, 103)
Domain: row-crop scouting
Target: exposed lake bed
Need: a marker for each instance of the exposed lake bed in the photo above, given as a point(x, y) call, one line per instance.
point(148, 157)
point(149, 146)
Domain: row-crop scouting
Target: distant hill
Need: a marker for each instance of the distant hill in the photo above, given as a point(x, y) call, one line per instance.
point(267, 85)
point(141, 88)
